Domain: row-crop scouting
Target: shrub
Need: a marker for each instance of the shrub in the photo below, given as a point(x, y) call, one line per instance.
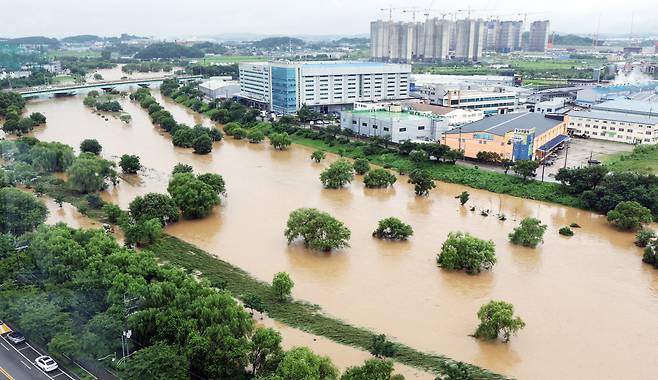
point(644, 237)
point(629, 215)
point(130, 163)
point(393, 229)
point(112, 212)
point(91, 146)
point(361, 166)
point(566, 231)
point(529, 233)
point(318, 156)
point(282, 286)
point(464, 252)
point(202, 144)
point(379, 178)
point(255, 136)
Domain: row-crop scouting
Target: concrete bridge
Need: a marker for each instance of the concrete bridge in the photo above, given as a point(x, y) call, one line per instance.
point(73, 89)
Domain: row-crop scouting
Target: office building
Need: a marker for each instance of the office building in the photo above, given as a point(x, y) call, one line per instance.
point(255, 83)
point(324, 86)
point(395, 122)
point(491, 101)
point(515, 136)
point(538, 39)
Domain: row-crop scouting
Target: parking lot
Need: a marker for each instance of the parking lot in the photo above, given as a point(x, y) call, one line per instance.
point(580, 151)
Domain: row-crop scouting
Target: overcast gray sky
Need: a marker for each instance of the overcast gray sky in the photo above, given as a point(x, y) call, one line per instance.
point(169, 18)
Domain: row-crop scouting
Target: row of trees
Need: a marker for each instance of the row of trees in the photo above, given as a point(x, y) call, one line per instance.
point(603, 191)
point(256, 134)
point(199, 138)
point(14, 123)
point(104, 103)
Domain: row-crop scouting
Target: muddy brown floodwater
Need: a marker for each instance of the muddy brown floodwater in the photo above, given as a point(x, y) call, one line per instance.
point(589, 302)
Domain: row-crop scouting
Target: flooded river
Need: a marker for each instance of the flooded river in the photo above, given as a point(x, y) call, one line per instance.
point(588, 301)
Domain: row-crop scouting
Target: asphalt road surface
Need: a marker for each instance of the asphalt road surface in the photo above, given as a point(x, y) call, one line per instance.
point(17, 361)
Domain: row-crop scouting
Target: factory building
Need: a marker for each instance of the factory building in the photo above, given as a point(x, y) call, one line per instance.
point(491, 101)
point(284, 87)
point(515, 136)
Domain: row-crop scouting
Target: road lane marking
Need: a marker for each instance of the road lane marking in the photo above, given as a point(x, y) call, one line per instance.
point(3, 345)
point(30, 361)
point(28, 367)
point(61, 373)
point(7, 375)
point(21, 349)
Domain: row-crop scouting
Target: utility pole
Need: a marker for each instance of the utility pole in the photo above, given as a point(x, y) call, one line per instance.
point(566, 155)
point(126, 333)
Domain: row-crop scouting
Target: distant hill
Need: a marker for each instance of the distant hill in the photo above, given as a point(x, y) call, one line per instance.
point(572, 40)
point(34, 40)
point(274, 42)
point(81, 39)
point(169, 50)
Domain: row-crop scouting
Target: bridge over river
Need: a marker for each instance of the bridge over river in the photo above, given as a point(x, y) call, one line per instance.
point(73, 89)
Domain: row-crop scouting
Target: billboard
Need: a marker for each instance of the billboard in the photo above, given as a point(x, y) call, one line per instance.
point(523, 144)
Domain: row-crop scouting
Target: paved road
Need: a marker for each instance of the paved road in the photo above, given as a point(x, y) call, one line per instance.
point(17, 362)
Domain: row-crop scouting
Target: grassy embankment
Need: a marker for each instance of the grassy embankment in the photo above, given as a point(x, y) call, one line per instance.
point(643, 159)
point(471, 177)
point(301, 315)
point(297, 314)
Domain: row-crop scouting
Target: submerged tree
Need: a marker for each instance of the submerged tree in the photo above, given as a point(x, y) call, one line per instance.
point(422, 181)
point(630, 215)
point(361, 166)
point(379, 178)
point(393, 229)
point(464, 252)
point(318, 156)
point(463, 197)
point(282, 286)
point(497, 317)
point(319, 230)
point(529, 233)
point(338, 174)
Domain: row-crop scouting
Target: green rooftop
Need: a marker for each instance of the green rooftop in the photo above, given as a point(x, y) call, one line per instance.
point(380, 114)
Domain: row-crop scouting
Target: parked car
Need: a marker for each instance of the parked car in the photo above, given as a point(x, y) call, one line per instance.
point(46, 363)
point(15, 337)
point(594, 162)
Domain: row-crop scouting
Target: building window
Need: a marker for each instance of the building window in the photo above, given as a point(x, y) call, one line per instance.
point(364, 124)
point(403, 129)
point(374, 127)
point(385, 129)
point(353, 121)
point(421, 128)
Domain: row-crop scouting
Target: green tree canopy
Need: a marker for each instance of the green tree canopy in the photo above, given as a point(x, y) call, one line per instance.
point(319, 230)
point(194, 197)
point(526, 168)
point(215, 181)
point(464, 252)
point(21, 212)
point(88, 174)
point(282, 286)
point(154, 206)
point(497, 317)
point(629, 215)
point(91, 146)
point(157, 362)
point(202, 144)
point(529, 233)
point(302, 363)
point(379, 178)
point(422, 181)
point(280, 141)
point(318, 156)
point(393, 229)
point(129, 163)
point(372, 369)
point(361, 166)
point(338, 174)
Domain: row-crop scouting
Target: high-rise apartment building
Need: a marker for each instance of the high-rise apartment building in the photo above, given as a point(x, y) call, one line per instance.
point(469, 39)
point(509, 36)
point(391, 41)
point(538, 36)
point(436, 40)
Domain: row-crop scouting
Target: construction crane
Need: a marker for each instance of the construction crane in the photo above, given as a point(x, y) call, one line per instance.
point(390, 11)
point(411, 10)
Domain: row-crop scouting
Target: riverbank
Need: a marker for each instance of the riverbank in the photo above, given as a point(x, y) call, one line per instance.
point(297, 314)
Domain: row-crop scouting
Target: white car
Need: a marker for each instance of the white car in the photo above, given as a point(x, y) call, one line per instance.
point(46, 363)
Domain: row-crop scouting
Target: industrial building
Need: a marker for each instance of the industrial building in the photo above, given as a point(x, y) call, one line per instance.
point(492, 101)
point(284, 87)
point(394, 122)
point(621, 120)
point(538, 40)
point(516, 136)
point(220, 88)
